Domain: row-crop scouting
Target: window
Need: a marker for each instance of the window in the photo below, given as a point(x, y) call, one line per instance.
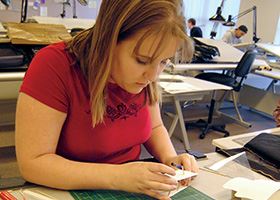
point(277, 33)
point(202, 10)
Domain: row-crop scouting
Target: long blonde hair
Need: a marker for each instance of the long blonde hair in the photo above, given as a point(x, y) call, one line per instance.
point(117, 20)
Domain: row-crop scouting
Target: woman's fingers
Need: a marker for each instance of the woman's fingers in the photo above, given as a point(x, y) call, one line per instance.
point(161, 186)
point(158, 167)
point(158, 177)
point(186, 162)
point(189, 163)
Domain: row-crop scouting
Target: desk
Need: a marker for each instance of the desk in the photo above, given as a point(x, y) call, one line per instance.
point(273, 49)
point(229, 55)
point(199, 88)
point(207, 182)
point(202, 88)
point(230, 143)
point(179, 68)
point(274, 73)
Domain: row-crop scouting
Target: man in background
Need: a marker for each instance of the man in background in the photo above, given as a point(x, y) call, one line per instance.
point(195, 31)
point(233, 36)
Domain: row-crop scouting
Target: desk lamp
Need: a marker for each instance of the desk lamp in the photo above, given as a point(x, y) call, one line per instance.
point(217, 18)
point(230, 21)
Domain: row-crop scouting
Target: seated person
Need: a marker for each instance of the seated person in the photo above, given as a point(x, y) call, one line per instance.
point(86, 105)
point(195, 31)
point(233, 36)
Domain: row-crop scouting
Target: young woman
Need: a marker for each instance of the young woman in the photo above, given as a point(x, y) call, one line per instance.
point(86, 105)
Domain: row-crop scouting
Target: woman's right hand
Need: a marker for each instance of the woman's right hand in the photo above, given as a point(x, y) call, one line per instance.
point(147, 178)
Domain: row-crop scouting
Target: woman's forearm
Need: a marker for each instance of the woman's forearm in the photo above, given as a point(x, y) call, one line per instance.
point(57, 172)
point(160, 145)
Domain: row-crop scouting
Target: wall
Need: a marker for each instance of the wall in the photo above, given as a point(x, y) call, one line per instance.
point(268, 12)
point(54, 10)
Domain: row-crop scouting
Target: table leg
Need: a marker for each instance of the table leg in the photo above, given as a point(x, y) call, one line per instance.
point(182, 124)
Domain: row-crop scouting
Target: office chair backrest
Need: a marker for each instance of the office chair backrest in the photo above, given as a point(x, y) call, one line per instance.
point(243, 68)
point(245, 64)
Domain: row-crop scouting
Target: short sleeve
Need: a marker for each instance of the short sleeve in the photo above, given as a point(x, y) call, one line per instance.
point(46, 78)
point(226, 37)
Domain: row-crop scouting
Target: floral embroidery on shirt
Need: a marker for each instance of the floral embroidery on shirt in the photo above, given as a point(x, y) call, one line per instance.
point(122, 111)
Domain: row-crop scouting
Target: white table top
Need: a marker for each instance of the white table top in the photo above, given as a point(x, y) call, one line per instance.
point(230, 143)
point(203, 66)
point(213, 66)
point(191, 84)
point(271, 48)
point(274, 73)
point(11, 76)
point(228, 52)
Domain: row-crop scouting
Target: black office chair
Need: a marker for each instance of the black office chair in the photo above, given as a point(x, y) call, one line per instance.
point(234, 80)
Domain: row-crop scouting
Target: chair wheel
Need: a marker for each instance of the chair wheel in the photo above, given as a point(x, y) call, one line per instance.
point(201, 136)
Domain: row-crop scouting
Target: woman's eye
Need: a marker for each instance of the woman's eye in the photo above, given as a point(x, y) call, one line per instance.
point(142, 62)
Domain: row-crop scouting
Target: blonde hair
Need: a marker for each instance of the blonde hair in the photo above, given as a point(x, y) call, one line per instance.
point(118, 20)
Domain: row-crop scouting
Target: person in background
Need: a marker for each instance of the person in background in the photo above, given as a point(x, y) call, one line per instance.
point(233, 36)
point(195, 31)
point(87, 105)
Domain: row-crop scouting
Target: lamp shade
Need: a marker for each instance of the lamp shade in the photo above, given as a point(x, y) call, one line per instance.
point(218, 16)
point(229, 22)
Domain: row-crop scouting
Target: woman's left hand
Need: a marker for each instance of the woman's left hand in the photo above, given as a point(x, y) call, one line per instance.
point(187, 161)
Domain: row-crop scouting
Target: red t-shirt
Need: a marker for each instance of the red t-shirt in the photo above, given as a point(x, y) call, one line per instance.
point(52, 80)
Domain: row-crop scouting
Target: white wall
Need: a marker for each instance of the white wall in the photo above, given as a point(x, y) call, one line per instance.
point(268, 12)
point(54, 10)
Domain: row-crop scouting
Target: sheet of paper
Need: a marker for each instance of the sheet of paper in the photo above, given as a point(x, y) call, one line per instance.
point(223, 162)
point(183, 174)
point(252, 189)
point(175, 87)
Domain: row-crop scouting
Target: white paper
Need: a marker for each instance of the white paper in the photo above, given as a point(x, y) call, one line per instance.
point(175, 87)
point(252, 189)
point(221, 163)
point(182, 174)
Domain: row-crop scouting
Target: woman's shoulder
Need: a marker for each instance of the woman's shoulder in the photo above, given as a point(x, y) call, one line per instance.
point(55, 57)
point(56, 50)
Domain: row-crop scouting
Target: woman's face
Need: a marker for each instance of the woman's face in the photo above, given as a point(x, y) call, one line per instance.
point(134, 72)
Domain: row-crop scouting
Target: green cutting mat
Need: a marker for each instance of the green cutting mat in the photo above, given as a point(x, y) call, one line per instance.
point(187, 194)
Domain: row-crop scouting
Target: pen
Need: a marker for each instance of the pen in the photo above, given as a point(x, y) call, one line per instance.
point(178, 167)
